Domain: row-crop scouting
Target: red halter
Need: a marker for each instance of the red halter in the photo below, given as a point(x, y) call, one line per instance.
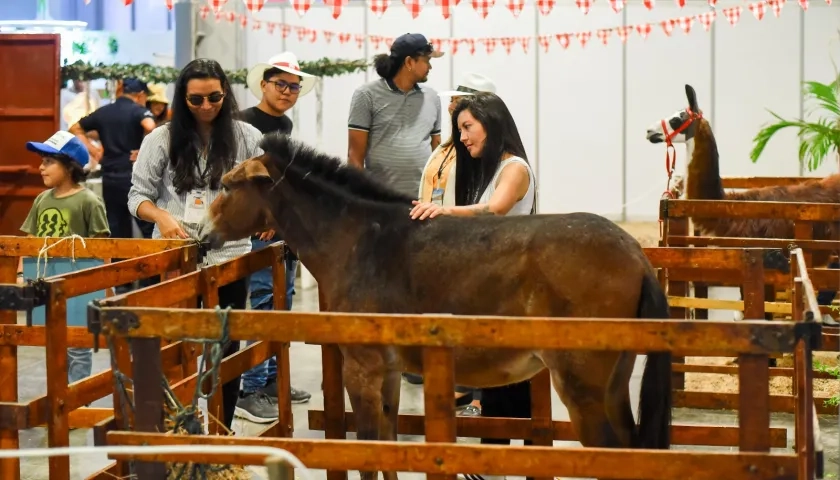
point(670, 151)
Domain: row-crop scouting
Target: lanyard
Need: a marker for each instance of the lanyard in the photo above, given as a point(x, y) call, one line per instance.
point(442, 166)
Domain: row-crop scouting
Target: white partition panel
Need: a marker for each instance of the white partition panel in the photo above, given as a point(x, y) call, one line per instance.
point(513, 73)
point(822, 46)
point(756, 70)
point(658, 69)
point(580, 115)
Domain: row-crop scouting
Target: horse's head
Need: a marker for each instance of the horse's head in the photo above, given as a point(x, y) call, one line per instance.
point(241, 210)
point(679, 127)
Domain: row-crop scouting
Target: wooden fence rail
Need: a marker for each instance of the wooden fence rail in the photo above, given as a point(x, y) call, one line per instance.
point(200, 284)
point(750, 341)
point(62, 407)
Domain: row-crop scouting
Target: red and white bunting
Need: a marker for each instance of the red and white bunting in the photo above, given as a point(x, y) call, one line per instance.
point(446, 6)
point(733, 14)
point(624, 32)
point(489, 44)
point(254, 5)
point(525, 42)
point(668, 26)
point(336, 6)
point(685, 23)
point(170, 4)
point(706, 19)
point(583, 37)
point(414, 7)
point(243, 20)
point(649, 4)
point(584, 5)
point(644, 30)
point(301, 6)
point(270, 26)
point(515, 7)
point(507, 42)
point(712, 3)
point(803, 4)
point(470, 43)
point(680, 3)
point(128, 2)
point(604, 34)
point(216, 5)
point(256, 25)
point(545, 42)
point(564, 39)
point(758, 9)
point(378, 7)
point(617, 5)
point(482, 7)
point(776, 6)
point(545, 6)
point(203, 12)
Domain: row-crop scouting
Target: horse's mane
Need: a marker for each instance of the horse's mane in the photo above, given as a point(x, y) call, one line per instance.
point(300, 159)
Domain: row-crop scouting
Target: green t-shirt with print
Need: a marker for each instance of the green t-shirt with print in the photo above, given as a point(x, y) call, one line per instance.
point(82, 213)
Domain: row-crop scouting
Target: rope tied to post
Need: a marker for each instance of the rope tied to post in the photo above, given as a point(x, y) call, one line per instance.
point(44, 251)
point(186, 419)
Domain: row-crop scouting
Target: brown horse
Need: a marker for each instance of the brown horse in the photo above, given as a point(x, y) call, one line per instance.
point(357, 239)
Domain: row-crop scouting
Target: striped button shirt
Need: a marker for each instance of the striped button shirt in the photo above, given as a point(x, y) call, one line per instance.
point(400, 126)
point(151, 180)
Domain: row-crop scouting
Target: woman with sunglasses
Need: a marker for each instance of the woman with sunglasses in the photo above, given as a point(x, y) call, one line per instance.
point(178, 174)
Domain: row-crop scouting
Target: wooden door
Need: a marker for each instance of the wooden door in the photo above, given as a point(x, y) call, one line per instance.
point(29, 110)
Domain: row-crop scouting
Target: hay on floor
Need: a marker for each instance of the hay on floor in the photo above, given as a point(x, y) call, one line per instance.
point(713, 382)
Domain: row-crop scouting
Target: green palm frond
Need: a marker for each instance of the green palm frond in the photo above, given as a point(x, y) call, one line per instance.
point(818, 138)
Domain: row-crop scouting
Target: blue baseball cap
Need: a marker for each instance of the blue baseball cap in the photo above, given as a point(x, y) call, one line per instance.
point(134, 85)
point(63, 143)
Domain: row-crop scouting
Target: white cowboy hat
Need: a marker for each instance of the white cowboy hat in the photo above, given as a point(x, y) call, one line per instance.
point(287, 62)
point(470, 84)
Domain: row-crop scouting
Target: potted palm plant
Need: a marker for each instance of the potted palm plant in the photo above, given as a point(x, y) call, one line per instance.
point(819, 137)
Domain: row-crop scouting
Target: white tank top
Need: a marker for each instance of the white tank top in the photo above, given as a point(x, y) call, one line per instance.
point(522, 207)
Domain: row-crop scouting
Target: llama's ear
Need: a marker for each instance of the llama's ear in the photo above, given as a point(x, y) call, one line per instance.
point(691, 95)
point(256, 172)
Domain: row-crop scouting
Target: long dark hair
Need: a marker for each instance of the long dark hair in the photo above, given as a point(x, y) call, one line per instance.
point(184, 139)
point(472, 175)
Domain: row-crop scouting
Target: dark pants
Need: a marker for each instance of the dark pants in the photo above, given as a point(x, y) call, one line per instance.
point(120, 221)
point(234, 295)
point(509, 401)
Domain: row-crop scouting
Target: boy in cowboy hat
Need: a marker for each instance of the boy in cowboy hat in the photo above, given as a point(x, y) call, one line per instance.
point(278, 83)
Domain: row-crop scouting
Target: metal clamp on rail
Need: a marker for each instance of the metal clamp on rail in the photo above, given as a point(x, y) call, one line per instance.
point(94, 322)
point(24, 297)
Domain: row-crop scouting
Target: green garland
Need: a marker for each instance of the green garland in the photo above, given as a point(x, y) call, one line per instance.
point(80, 70)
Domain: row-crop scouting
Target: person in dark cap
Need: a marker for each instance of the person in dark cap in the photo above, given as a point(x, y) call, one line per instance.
point(394, 121)
point(121, 127)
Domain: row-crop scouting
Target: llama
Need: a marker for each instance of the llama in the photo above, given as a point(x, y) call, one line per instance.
point(703, 182)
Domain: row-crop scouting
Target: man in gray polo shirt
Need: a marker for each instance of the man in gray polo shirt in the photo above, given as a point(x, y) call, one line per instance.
point(394, 122)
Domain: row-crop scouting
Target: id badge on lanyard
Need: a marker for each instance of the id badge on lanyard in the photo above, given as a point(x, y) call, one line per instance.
point(196, 207)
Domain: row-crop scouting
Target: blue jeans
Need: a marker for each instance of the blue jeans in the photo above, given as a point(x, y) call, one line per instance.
point(262, 298)
point(79, 364)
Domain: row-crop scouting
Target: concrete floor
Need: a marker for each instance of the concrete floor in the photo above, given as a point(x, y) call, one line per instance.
point(306, 374)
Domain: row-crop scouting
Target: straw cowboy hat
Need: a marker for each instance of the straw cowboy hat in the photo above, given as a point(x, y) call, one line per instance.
point(287, 62)
point(470, 84)
point(157, 93)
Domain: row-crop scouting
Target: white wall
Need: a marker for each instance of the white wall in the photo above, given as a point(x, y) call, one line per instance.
point(582, 112)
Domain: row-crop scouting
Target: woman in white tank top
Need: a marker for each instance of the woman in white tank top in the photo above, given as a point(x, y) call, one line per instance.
point(492, 174)
point(492, 177)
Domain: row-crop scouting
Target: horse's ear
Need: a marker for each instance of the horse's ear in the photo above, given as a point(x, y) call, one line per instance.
point(692, 98)
point(256, 172)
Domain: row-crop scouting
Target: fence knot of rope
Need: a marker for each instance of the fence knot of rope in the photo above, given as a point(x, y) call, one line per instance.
point(44, 251)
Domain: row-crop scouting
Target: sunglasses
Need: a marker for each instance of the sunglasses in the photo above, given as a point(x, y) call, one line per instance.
point(280, 85)
point(198, 100)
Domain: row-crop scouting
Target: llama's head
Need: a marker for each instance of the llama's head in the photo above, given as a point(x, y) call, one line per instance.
point(679, 127)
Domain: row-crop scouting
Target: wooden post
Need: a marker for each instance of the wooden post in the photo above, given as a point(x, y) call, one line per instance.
point(58, 428)
point(215, 404)
point(9, 467)
point(333, 385)
point(148, 399)
point(285, 420)
point(438, 385)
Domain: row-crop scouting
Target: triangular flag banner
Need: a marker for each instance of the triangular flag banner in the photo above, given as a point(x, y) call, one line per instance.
point(335, 6)
point(216, 5)
point(776, 6)
point(515, 7)
point(685, 24)
point(617, 5)
point(446, 6)
point(624, 32)
point(525, 42)
point(644, 30)
point(301, 6)
point(482, 7)
point(378, 7)
point(706, 19)
point(584, 5)
point(758, 10)
point(545, 42)
point(649, 4)
point(563, 39)
point(414, 7)
point(545, 6)
point(604, 34)
point(254, 5)
point(583, 38)
point(733, 14)
point(490, 44)
point(668, 26)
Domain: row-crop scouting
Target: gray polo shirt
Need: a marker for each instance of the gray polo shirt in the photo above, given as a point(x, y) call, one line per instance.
point(399, 126)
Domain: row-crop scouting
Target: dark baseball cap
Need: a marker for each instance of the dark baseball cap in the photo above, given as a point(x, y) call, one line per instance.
point(413, 44)
point(133, 85)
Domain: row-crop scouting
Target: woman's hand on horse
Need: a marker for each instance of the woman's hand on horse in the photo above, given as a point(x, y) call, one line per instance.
point(266, 235)
point(170, 228)
point(422, 211)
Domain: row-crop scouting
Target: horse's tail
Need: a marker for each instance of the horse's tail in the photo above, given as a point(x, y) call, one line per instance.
point(655, 398)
